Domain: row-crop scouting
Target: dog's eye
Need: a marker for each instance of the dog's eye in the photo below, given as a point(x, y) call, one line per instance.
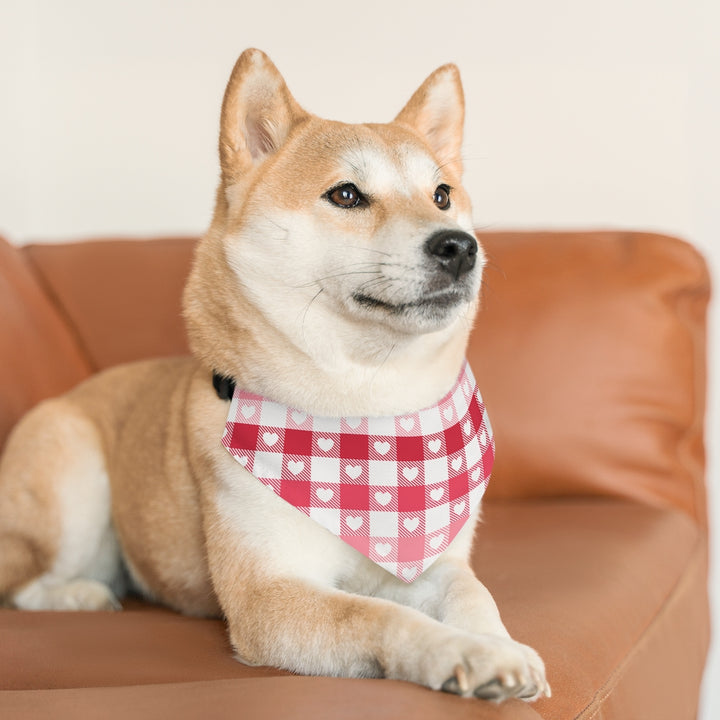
point(441, 197)
point(345, 196)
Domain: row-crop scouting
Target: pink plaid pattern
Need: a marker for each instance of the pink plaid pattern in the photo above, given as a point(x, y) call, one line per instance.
point(398, 489)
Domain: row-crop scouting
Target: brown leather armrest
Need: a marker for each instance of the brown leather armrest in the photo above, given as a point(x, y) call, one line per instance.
point(39, 355)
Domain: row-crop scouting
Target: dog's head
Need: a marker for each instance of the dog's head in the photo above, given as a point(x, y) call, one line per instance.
point(333, 234)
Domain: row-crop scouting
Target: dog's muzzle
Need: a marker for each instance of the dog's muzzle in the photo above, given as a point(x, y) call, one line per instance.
point(455, 251)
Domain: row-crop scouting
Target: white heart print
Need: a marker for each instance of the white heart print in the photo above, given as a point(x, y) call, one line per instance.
point(296, 466)
point(407, 423)
point(410, 473)
point(411, 524)
point(383, 447)
point(383, 498)
point(353, 471)
point(437, 541)
point(270, 438)
point(354, 521)
point(437, 493)
point(409, 572)
point(467, 427)
point(299, 417)
point(248, 411)
point(325, 494)
point(325, 444)
point(448, 413)
point(456, 463)
point(434, 445)
point(459, 507)
point(383, 549)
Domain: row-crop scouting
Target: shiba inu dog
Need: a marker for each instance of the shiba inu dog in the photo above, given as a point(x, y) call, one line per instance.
point(338, 279)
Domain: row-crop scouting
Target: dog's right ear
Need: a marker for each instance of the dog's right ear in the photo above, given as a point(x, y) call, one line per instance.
point(258, 113)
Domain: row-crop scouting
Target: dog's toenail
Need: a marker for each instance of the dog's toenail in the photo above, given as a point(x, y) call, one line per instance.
point(509, 680)
point(462, 678)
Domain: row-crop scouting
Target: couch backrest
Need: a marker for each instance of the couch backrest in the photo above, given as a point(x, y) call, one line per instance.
point(121, 297)
point(590, 354)
point(589, 350)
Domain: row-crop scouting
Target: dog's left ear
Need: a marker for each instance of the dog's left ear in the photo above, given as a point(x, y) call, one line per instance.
point(437, 112)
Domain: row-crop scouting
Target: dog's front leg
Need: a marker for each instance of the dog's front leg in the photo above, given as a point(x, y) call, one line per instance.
point(308, 627)
point(449, 592)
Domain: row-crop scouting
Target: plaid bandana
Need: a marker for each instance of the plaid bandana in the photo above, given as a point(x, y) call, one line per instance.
point(398, 489)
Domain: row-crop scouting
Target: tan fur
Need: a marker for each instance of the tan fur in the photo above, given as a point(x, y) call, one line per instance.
point(130, 463)
point(29, 517)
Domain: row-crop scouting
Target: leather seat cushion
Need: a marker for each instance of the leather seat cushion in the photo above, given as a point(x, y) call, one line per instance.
point(610, 593)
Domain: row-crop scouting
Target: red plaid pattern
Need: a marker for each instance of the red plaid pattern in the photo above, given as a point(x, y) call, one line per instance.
point(398, 489)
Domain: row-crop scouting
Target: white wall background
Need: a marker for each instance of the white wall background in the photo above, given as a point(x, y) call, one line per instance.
point(580, 114)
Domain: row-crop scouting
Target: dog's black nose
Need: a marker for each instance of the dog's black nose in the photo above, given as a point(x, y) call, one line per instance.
point(456, 251)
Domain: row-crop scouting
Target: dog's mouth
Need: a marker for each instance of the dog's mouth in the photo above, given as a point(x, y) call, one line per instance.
point(432, 303)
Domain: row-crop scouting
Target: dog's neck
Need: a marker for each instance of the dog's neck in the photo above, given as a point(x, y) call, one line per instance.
point(335, 376)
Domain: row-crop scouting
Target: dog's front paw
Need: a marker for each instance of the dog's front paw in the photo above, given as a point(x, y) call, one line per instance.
point(488, 667)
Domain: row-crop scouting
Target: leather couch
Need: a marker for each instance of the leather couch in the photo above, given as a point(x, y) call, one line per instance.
point(590, 353)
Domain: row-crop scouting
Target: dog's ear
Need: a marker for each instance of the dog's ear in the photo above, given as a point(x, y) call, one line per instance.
point(258, 113)
point(437, 112)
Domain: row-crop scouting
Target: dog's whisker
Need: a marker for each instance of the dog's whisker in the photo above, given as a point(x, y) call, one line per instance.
point(378, 277)
point(307, 309)
point(377, 284)
point(317, 281)
point(402, 287)
point(492, 264)
point(347, 272)
point(384, 360)
point(276, 224)
point(367, 249)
